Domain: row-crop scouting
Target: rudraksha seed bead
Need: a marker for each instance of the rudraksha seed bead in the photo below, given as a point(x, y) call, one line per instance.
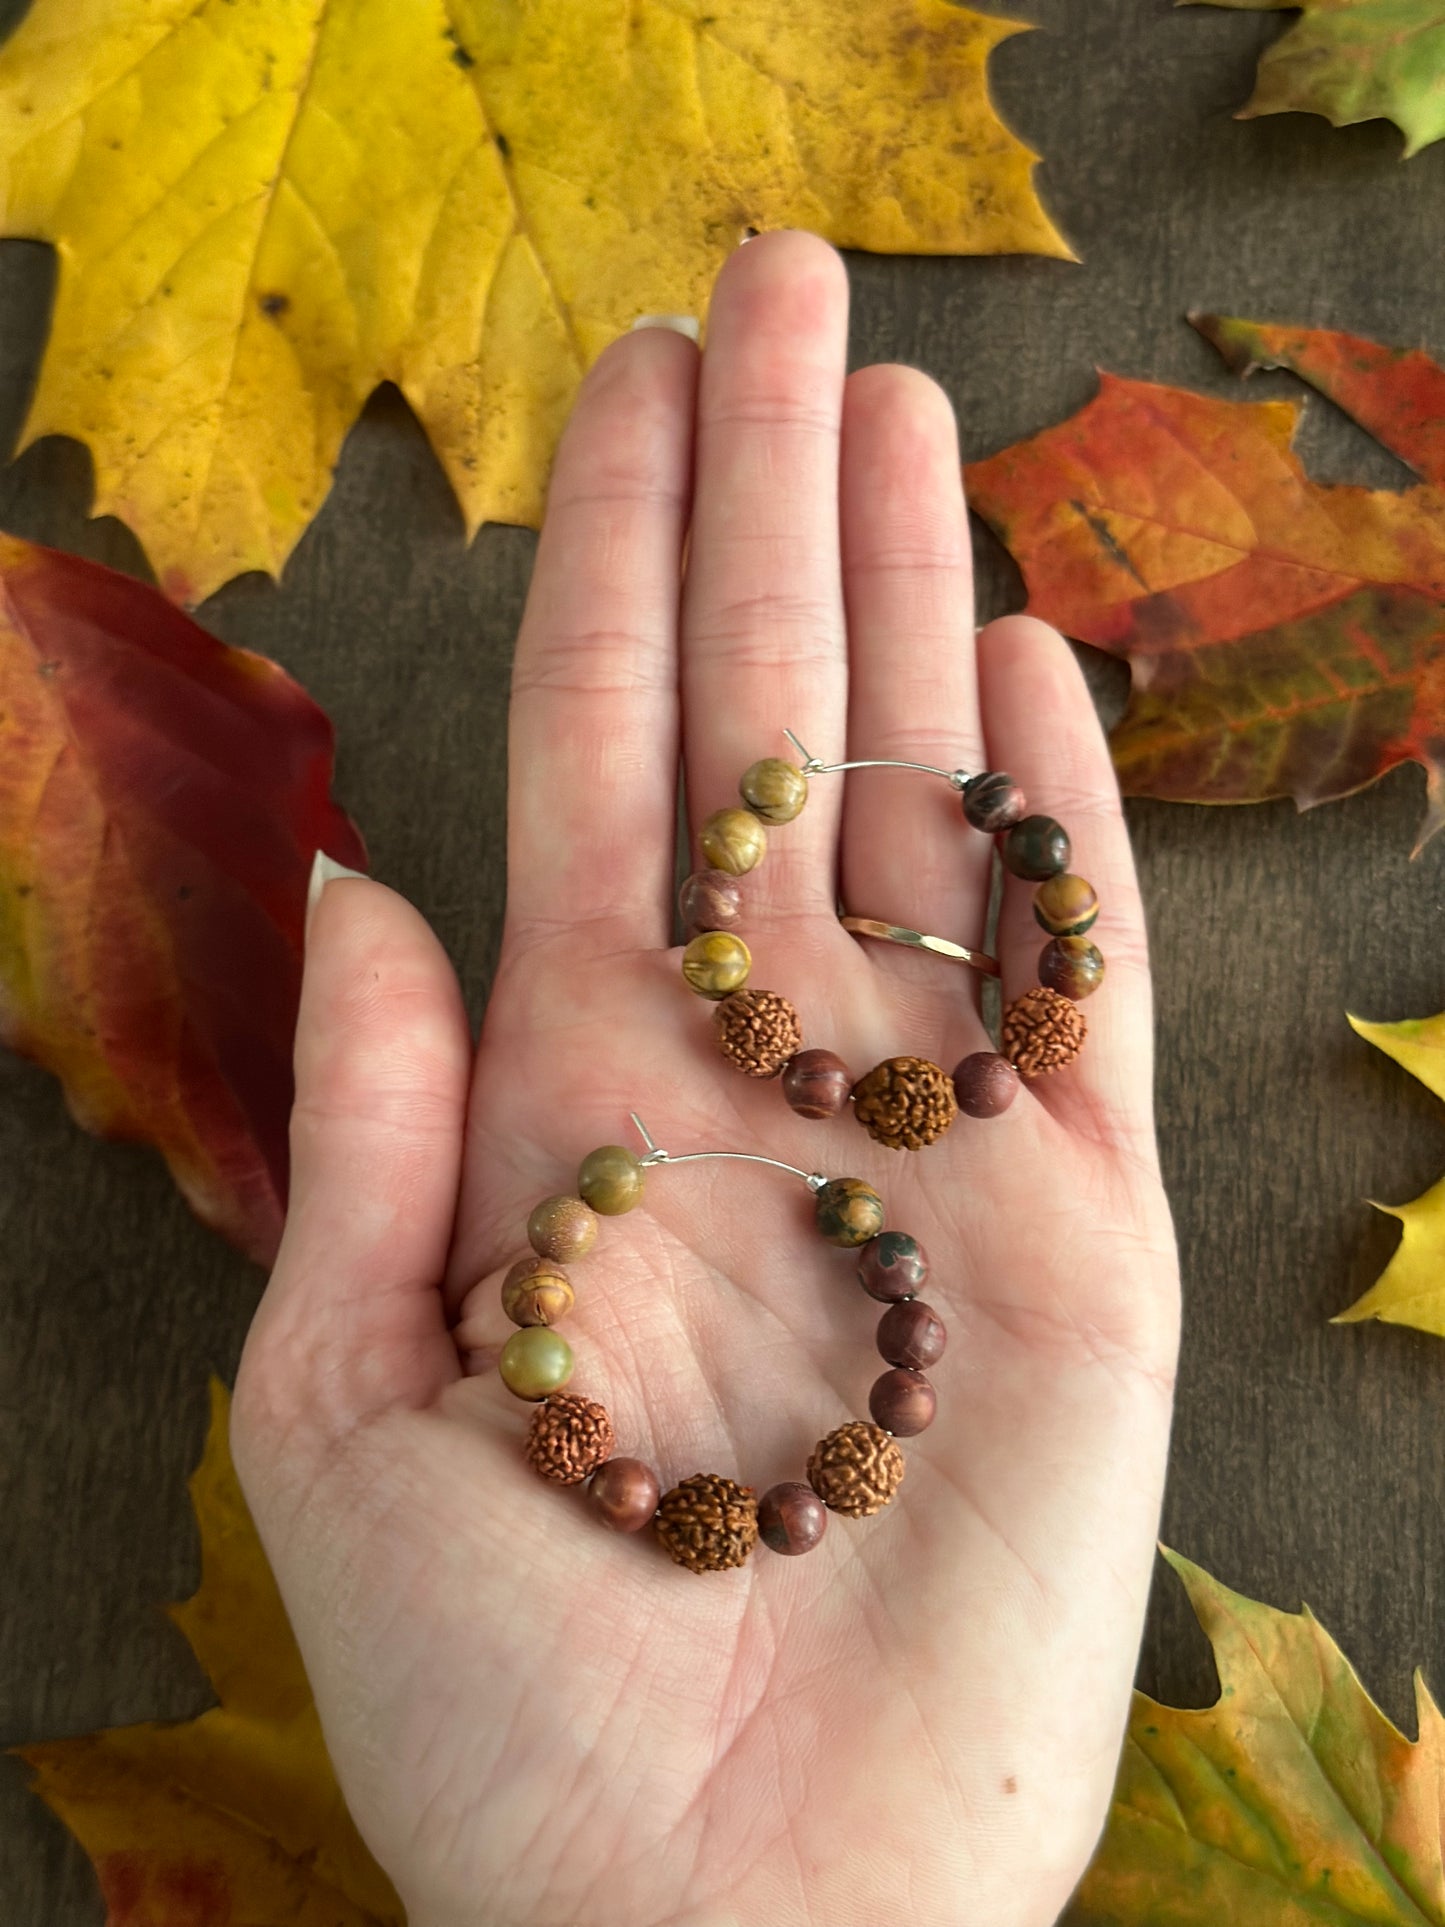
point(624, 1494)
point(569, 1438)
point(985, 1084)
point(733, 840)
point(893, 1267)
point(905, 1103)
point(1042, 1031)
point(708, 1523)
point(791, 1517)
point(536, 1291)
point(1073, 966)
point(1066, 906)
point(1036, 848)
point(716, 963)
point(849, 1212)
point(775, 791)
point(856, 1469)
point(710, 900)
point(535, 1362)
point(903, 1402)
point(562, 1228)
point(911, 1333)
point(757, 1031)
point(816, 1083)
point(610, 1180)
point(993, 801)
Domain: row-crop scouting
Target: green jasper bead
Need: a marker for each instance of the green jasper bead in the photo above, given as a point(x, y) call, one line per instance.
point(535, 1362)
point(716, 963)
point(734, 841)
point(774, 790)
point(1036, 849)
point(850, 1212)
point(610, 1180)
point(1073, 966)
point(1066, 906)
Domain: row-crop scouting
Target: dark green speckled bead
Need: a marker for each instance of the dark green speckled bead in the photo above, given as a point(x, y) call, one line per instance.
point(1072, 966)
point(1036, 849)
point(850, 1212)
point(1066, 906)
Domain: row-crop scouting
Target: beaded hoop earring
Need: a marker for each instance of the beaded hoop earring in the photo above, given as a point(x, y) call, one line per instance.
point(904, 1102)
point(706, 1522)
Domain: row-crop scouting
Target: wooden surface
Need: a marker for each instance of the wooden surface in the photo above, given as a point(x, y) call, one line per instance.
point(1306, 1458)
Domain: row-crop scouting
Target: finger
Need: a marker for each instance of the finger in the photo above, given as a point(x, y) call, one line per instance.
point(351, 1321)
point(763, 634)
point(593, 741)
point(1041, 726)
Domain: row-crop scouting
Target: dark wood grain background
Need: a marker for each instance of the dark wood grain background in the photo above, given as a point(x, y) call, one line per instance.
point(1307, 1459)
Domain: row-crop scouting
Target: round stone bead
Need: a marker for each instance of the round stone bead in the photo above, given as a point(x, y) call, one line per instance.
point(624, 1494)
point(911, 1333)
point(993, 801)
point(563, 1229)
point(985, 1084)
point(849, 1212)
point(535, 1362)
point(1066, 905)
point(1036, 848)
point(716, 963)
point(610, 1179)
point(1072, 965)
point(791, 1517)
point(817, 1084)
point(892, 1267)
point(903, 1402)
point(774, 790)
point(733, 840)
point(536, 1291)
point(710, 900)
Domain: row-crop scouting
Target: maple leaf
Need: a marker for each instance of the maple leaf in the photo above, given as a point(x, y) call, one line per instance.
point(1411, 1289)
point(1291, 1802)
point(1285, 638)
point(1354, 60)
point(161, 800)
point(234, 1816)
point(264, 208)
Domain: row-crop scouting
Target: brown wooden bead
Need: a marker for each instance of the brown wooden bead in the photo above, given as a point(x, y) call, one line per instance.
point(1073, 966)
point(775, 791)
point(816, 1083)
point(708, 1523)
point(536, 1291)
point(993, 801)
point(710, 900)
point(1036, 848)
point(716, 963)
point(1042, 1031)
point(893, 1266)
point(849, 1212)
point(733, 840)
point(985, 1084)
point(757, 1031)
point(905, 1103)
point(563, 1229)
point(903, 1402)
point(912, 1334)
point(856, 1469)
point(624, 1494)
point(1066, 906)
point(611, 1180)
point(569, 1438)
point(791, 1517)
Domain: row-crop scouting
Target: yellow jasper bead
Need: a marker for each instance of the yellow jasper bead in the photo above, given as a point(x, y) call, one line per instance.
point(1066, 905)
point(774, 790)
point(733, 840)
point(610, 1180)
point(716, 963)
point(535, 1362)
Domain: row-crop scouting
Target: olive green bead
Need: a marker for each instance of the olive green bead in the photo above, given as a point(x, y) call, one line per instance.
point(1036, 848)
point(1066, 906)
point(562, 1229)
point(716, 963)
point(774, 790)
point(610, 1180)
point(733, 840)
point(535, 1362)
point(850, 1212)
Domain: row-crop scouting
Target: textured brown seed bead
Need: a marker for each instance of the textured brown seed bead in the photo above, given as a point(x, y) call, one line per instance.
point(905, 1103)
point(710, 900)
point(912, 1334)
point(569, 1438)
point(1042, 1031)
point(1066, 906)
point(535, 1362)
point(562, 1228)
point(993, 801)
point(893, 1266)
point(1036, 848)
point(816, 1083)
point(610, 1179)
point(757, 1031)
point(716, 963)
point(985, 1084)
point(856, 1469)
point(708, 1523)
point(849, 1212)
point(624, 1494)
point(733, 840)
point(903, 1402)
point(536, 1291)
point(791, 1517)
point(774, 790)
point(1072, 966)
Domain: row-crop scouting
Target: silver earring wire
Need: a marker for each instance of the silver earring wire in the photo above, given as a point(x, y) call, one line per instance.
point(812, 766)
point(815, 1180)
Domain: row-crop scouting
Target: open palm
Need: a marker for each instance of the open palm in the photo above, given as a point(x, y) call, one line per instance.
point(538, 1723)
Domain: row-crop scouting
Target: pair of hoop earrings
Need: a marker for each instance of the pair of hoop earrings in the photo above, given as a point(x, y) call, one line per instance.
point(707, 1522)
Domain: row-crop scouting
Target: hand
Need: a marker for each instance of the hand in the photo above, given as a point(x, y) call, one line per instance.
point(537, 1722)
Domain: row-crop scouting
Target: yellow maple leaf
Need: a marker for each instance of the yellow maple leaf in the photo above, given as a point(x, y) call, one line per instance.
point(234, 1816)
point(1411, 1288)
point(263, 208)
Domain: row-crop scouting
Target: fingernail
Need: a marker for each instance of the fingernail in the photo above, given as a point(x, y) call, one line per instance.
point(680, 324)
point(324, 870)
